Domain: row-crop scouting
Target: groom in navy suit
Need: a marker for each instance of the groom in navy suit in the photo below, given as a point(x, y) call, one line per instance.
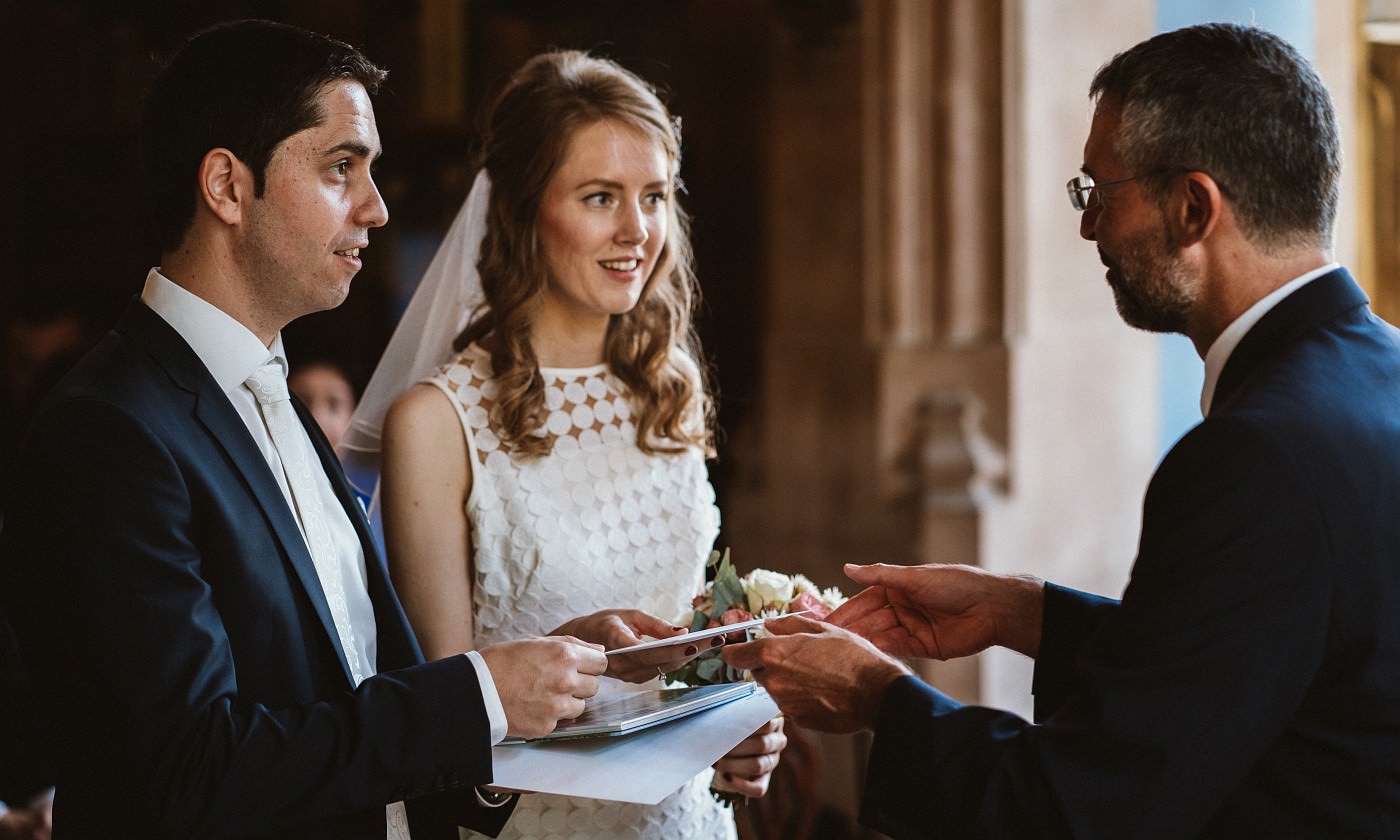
point(1248, 682)
point(195, 591)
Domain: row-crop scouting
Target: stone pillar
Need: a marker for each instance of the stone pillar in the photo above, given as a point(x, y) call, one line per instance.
point(944, 376)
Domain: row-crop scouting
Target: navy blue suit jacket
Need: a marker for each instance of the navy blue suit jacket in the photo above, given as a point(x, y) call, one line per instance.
point(167, 607)
point(1248, 684)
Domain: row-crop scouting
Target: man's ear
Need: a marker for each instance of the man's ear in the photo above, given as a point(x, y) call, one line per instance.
point(225, 185)
point(1196, 208)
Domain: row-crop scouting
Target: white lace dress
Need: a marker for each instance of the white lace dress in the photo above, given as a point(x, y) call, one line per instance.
point(593, 525)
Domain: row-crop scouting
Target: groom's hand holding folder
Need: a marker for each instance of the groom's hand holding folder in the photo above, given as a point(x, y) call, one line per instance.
point(543, 681)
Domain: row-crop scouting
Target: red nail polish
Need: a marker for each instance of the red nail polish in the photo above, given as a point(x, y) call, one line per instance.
point(719, 640)
point(729, 777)
point(692, 650)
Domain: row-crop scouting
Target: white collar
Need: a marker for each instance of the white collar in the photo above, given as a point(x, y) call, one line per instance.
point(228, 349)
point(1220, 351)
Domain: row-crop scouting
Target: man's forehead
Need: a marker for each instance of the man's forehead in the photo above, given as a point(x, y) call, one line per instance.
point(347, 124)
point(1099, 150)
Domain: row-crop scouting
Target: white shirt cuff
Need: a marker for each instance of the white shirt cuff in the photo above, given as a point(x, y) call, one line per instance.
point(495, 712)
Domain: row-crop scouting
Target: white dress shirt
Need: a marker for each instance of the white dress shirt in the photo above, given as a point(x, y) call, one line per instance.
point(231, 353)
point(1220, 351)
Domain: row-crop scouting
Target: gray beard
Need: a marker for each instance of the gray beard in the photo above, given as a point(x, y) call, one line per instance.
point(1150, 288)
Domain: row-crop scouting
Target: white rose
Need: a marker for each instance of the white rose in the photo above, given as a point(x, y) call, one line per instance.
point(765, 588)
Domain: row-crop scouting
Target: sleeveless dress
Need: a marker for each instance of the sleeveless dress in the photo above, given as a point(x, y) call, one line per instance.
point(594, 524)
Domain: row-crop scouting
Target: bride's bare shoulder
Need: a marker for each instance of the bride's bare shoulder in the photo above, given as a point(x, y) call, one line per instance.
point(423, 408)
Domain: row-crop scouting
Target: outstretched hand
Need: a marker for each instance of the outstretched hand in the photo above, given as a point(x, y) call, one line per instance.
point(543, 681)
point(942, 612)
point(821, 676)
point(623, 628)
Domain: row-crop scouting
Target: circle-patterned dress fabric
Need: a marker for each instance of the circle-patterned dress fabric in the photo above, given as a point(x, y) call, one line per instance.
point(595, 524)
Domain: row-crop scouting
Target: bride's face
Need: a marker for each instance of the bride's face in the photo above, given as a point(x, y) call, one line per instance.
point(602, 221)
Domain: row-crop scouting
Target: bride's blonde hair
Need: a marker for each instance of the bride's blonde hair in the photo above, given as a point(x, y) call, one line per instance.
point(527, 133)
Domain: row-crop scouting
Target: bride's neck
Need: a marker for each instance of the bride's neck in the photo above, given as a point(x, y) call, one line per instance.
point(568, 344)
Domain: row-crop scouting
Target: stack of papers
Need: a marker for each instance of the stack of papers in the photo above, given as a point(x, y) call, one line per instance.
point(643, 767)
point(621, 714)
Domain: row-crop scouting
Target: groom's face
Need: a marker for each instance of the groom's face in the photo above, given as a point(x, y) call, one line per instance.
point(303, 237)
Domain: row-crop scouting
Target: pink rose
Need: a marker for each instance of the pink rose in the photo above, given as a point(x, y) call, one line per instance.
point(734, 617)
point(808, 601)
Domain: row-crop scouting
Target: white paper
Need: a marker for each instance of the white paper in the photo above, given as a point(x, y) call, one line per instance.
point(705, 633)
point(644, 767)
point(692, 636)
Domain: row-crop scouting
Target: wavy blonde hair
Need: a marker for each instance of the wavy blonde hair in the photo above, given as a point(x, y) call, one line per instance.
point(526, 135)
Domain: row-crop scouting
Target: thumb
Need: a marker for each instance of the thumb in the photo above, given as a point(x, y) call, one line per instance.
point(643, 623)
point(790, 624)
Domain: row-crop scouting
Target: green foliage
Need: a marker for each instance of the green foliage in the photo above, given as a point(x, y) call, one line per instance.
point(724, 594)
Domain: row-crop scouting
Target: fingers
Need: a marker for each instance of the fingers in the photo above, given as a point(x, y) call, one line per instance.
point(755, 745)
point(868, 575)
point(748, 767)
point(882, 574)
point(671, 657)
point(588, 658)
point(876, 623)
point(734, 783)
point(865, 603)
point(587, 662)
point(646, 624)
point(646, 664)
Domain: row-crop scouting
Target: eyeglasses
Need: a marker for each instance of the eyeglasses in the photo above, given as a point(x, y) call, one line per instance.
point(1081, 189)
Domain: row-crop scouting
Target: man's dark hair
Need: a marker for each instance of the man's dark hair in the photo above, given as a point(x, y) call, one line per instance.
point(244, 86)
point(1241, 105)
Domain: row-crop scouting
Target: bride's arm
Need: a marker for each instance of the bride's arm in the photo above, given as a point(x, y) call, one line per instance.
point(427, 475)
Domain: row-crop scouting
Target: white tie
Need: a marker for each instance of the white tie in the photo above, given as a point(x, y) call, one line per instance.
point(269, 384)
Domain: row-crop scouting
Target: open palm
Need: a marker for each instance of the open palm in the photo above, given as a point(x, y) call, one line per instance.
point(933, 612)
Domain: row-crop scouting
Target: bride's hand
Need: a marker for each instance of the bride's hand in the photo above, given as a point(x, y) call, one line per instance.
point(747, 768)
point(623, 628)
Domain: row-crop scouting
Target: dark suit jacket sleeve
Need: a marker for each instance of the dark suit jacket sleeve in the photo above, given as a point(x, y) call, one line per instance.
point(1175, 696)
point(107, 528)
point(1070, 619)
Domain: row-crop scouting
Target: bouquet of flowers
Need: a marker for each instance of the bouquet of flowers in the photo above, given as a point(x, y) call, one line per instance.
point(729, 599)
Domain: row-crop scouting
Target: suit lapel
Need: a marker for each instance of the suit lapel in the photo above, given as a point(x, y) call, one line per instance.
point(229, 435)
point(1313, 305)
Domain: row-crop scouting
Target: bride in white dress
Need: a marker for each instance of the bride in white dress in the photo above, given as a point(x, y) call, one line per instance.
point(549, 461)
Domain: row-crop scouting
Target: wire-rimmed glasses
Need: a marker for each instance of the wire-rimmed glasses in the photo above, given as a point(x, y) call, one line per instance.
point(1081, 189)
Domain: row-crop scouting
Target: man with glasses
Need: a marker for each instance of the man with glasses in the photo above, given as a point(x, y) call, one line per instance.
point(1248, 682)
